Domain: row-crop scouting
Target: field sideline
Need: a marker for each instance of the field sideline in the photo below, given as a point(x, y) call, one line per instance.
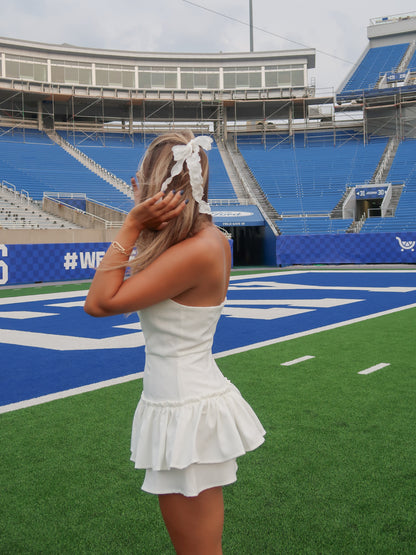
point(335, 475)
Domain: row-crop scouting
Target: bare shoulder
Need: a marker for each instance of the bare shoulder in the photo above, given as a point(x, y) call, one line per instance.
point(211, 244)
point(208, 258)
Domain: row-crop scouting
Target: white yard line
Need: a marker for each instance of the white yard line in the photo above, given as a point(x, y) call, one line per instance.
point(374, 368)
point(68, 393)
point(296, 360)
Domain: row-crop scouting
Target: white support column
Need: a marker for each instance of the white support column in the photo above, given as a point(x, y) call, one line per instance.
point(221, 78)
point(93, 75)
point(3, 64)
point(263, 77)
point(179, 83)
point(136, 77)
point(49, 70)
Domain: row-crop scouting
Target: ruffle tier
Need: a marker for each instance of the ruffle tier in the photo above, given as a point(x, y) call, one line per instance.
point(211, 429)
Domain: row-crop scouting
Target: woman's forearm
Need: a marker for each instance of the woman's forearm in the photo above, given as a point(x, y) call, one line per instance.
point(110, 274)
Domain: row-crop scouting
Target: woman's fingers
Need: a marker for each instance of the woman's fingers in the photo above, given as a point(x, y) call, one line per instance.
point(155, 212)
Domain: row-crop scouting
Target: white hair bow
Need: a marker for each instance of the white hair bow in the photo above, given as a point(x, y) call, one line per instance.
point(189, 153)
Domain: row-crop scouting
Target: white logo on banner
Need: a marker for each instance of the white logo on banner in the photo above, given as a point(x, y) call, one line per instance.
point(4, 269)
point(85, 259)
point(406, 245)
point(230, 214)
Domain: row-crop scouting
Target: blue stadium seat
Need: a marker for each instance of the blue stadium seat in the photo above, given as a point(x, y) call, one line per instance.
point(403, 170)
point(122, 156)
point(39, 166)
point(376, 62)
point(310, 179)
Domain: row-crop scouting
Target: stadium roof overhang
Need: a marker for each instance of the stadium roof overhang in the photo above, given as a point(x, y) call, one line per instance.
point(67, 102)
point(68, 51)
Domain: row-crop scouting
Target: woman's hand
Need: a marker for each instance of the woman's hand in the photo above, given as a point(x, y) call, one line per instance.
point(155, 212)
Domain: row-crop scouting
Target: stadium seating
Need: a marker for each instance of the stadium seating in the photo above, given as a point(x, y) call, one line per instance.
point(36, 164)
point(403, 170)
point(376, 62)
point(310, 179)
point(121, 155)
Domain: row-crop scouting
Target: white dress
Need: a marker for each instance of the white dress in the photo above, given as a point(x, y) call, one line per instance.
point(191, 423)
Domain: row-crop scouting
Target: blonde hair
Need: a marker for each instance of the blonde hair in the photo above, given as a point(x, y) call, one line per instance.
point(155, 168)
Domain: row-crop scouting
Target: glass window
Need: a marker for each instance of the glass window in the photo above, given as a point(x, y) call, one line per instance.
point(229, 80)
point(40, 72)
point(58, 74)
point(145, 80)
point(284, 78)
point(297, 78)
point(114, 77)
point(187, 80)
point(71, 74)
point(213, 80)
point(26, 70)
point(12, 69)
point(24, 67)
point(242, 79)
point(254, 79)
point(171, 80)
point(271, 78)
point(85, 76)
point(101, 77)
point(128, 79)
point(158, 80)
point(200, 80)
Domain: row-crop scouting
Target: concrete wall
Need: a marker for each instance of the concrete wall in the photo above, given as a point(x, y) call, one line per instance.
point(105, 212)
point(36, 236)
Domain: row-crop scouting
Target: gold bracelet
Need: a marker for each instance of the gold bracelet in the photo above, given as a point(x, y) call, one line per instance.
point(116, 245)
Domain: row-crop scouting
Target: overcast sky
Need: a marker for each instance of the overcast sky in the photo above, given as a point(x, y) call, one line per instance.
point(337, 30)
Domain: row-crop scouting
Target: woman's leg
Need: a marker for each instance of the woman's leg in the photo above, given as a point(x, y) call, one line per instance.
point(195, 524)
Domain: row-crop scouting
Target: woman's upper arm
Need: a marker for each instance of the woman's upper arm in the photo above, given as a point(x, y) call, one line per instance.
point(177, 270)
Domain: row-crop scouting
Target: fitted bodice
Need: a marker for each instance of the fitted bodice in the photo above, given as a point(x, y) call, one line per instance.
point(172, 329)
point(179, 362)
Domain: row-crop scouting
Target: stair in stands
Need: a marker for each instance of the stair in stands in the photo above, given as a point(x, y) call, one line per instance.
point(109, 177)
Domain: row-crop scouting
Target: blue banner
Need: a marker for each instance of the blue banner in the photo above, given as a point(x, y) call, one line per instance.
point(391, 77)
point(346, 248)
point(49, 262)
point(362, 193)
point(43, 263)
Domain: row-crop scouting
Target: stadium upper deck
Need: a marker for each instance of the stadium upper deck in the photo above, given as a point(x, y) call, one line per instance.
point(387, 64)
point(65, 81)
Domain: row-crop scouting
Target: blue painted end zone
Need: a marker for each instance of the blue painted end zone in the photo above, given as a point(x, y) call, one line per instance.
point(48, 344)
point(346, 248)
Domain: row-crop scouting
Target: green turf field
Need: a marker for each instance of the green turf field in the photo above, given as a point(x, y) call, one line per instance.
point(336, 475)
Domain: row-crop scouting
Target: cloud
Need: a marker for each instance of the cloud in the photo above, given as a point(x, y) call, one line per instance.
point(178, 26)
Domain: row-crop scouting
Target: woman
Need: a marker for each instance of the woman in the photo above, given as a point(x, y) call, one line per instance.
point(191, 423)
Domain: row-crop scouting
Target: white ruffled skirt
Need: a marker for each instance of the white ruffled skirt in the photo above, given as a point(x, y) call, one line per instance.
point(192, 445)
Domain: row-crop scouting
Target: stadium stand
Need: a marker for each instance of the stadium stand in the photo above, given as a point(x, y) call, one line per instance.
point(309, 180)
point(19, 212)
point(376, 62)
point(403, 170)
point(121, 155)
point(39, 166)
